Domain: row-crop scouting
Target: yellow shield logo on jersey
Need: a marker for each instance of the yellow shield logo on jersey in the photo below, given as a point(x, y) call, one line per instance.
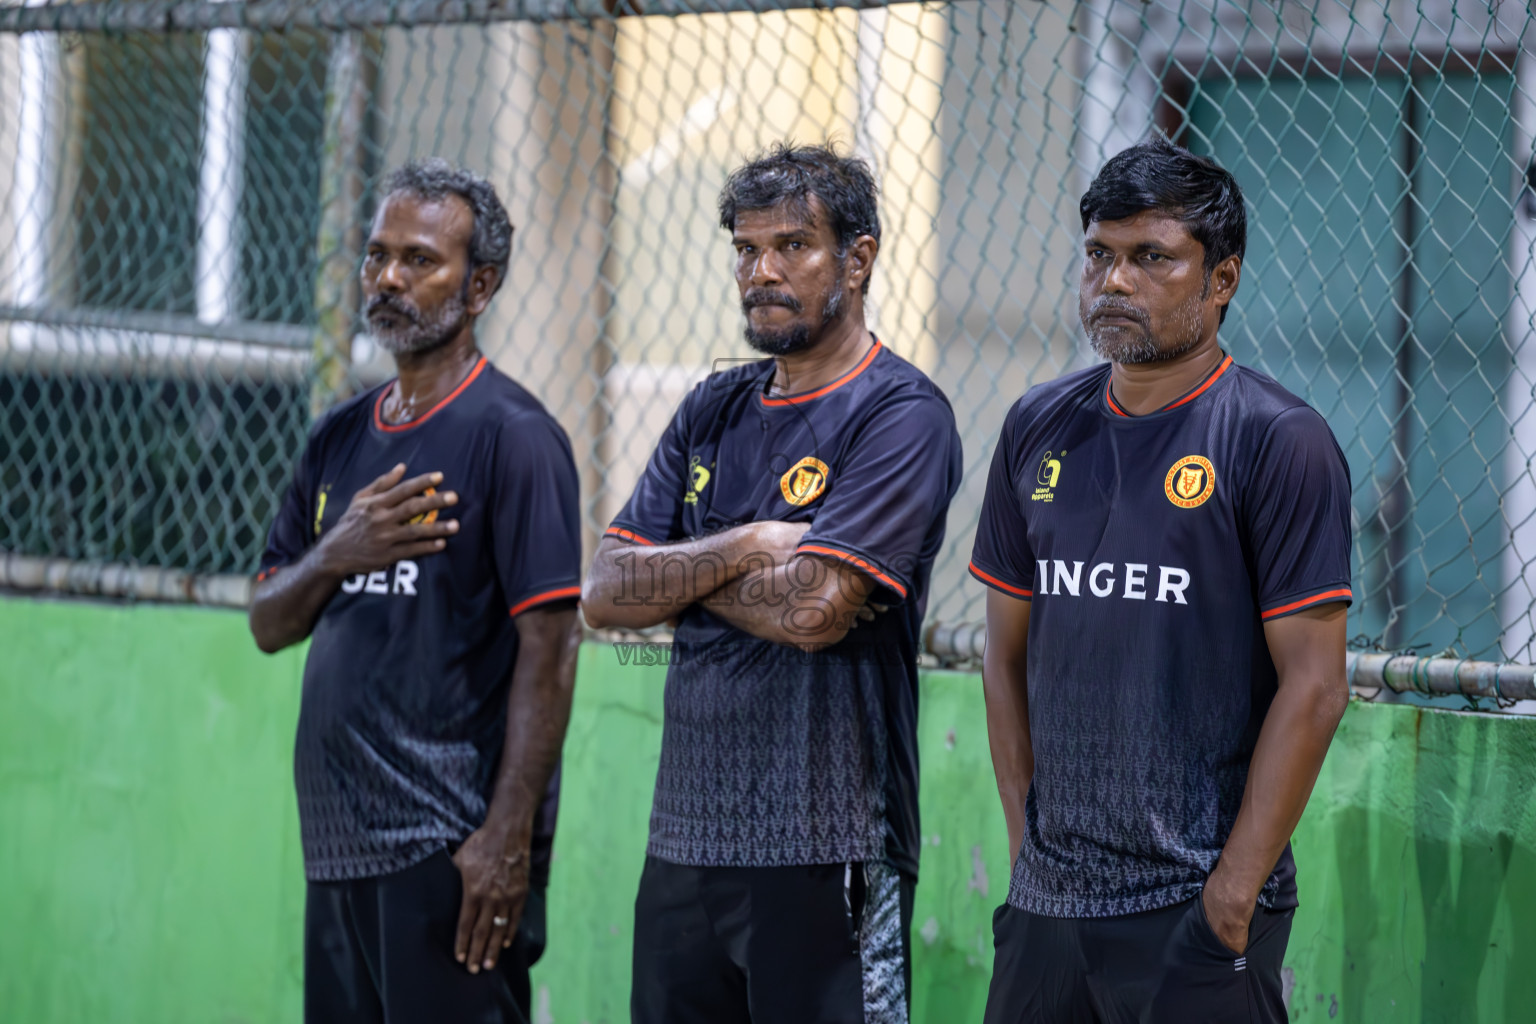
point(1191, 481)
point(803, 482)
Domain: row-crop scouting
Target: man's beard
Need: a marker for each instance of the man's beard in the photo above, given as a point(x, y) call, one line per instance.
point(414, 330)
point(1181, 334)
point(785, 341)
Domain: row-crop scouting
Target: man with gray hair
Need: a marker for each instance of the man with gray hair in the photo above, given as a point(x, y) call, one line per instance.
point(429, 547)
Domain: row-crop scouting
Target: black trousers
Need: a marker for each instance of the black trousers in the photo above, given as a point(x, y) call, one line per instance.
point(1162, 967)
point(818, 944)
point(380, 951)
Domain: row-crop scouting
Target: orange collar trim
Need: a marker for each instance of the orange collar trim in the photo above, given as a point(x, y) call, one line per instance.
point(869, 357)
point(1109, 395)
point(395, 428)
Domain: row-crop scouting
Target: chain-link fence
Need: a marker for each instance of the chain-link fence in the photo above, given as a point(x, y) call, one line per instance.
point(185, 186)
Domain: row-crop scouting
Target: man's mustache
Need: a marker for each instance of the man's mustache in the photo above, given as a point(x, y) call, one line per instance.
point(391, 304)
point(765, 297)
point(1106, 306)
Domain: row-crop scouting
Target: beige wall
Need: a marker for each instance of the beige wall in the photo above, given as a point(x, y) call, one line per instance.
point(696, 96)
point(1005, 315)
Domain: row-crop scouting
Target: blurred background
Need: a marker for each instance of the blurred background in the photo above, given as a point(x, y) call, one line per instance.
point(184, 190)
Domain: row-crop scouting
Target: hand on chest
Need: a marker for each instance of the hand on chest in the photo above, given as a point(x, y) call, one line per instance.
point(412, 574)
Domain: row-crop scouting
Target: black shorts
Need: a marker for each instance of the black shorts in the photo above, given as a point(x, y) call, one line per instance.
point(820, 944)
point(382, 948)
point(1162, 967)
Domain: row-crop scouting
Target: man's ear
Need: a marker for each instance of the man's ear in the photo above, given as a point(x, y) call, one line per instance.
point(1225, 277)
point(861, 260)
point(483, 283)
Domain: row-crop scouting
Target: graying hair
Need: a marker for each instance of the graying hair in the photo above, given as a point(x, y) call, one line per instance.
point(490, 242)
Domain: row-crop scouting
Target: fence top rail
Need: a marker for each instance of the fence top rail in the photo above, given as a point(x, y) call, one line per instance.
point(966, 642)
point(165, 16)
point(250, 332)
point(962, 642)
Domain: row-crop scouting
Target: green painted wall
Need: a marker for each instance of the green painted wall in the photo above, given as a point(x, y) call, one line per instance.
point(149, 850)
point(1417, 866)
point(149, 864)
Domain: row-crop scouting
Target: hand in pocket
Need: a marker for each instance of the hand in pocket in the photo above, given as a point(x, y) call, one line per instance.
point(1228, 919)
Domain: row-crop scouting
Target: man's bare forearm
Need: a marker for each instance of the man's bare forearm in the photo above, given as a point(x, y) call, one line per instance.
point(757, 603)
point(1308, 650)
point(1286, 761)
point(803, 601)
point(634, 586)
point(538, 711)
point(286, 605)
point(1013, 755)
point(1005, 687)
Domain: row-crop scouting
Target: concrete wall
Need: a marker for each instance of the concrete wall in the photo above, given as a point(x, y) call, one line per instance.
point(149, 847)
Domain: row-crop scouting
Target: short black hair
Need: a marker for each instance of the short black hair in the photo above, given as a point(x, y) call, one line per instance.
point(789, 175)
point(490, 241)
point(1194, 190)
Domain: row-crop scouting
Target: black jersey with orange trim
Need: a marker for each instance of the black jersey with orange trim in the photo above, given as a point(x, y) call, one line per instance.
point(769, 755)
point(1153, 549)
point(404, 704)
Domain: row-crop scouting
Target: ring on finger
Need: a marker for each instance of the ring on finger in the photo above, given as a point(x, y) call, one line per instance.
point(499, 922)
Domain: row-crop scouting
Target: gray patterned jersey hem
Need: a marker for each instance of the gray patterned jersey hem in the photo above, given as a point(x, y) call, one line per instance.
point(762, 855)
point(1022, 897)
point(351, 868)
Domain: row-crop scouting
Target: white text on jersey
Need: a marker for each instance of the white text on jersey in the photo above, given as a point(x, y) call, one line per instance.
point(1057, 578)
point(405, 572)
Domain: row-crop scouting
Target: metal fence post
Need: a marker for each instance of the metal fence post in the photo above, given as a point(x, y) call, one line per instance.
point(339, 241)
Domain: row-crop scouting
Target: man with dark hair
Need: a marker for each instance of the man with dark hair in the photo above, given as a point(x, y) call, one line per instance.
point(1166, 539)
point(789, 500)
point(430, 548)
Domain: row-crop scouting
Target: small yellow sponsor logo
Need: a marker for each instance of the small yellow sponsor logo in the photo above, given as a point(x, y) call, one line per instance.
point(325, 492)
point(698, 479)
point(1047, 476)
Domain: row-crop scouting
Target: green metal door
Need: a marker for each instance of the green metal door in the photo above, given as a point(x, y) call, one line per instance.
point(1374, 288)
